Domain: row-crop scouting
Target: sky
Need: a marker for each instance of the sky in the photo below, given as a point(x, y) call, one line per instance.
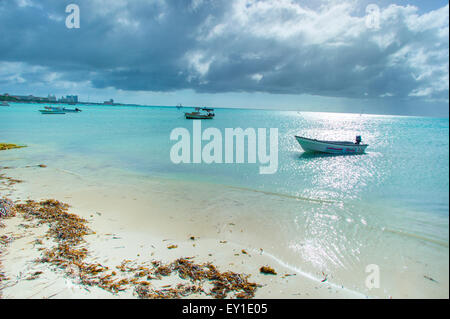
point(355, 56)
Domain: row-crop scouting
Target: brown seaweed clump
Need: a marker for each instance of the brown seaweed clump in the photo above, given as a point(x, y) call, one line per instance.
point(181, 290)
point(222, 283)
point(6, 146)
point(68, 230)
point(7, 210)
point(9, 181)
point(267, 270)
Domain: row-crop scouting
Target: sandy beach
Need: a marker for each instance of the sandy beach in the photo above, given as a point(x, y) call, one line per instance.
point(237, 149)
point(143, 220)
point(140, 226)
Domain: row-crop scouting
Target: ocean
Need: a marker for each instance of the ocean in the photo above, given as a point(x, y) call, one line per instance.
point(333, 214)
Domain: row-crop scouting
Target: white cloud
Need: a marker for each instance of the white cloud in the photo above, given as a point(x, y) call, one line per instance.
point(411, 49)
point(199, 62)
point(24, 3)
point(257, 77)
point(271, 46)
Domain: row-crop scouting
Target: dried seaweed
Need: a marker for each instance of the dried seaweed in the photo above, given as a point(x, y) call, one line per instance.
point(7, 210)
point(267, 270)
point(9, 181)
point(34, 275)
point(68, 231)
point(6, 146)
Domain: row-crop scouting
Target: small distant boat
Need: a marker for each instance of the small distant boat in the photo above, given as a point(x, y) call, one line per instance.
point(200, 114)
point(58, 110)
point(4, 103)
point(53, 108)
point(179, 106)
point(75, 110)
point(332, 147)
point(52, 112)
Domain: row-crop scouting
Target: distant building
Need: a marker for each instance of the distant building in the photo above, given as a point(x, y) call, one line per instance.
point(69, 99)
point(110, 102)
point(51, 98)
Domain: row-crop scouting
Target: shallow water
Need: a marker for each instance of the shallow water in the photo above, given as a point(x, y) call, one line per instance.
point(339, 213)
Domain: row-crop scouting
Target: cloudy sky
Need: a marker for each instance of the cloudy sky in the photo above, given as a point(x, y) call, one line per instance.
point(279, 54)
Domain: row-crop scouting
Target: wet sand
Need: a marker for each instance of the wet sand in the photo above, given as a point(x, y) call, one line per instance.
point(140, 225)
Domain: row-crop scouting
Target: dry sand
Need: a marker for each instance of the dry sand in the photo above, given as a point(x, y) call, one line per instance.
point(139, 224)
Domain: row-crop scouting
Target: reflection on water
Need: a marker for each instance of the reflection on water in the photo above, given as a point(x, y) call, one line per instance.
point(333, 212)
point(311, 155)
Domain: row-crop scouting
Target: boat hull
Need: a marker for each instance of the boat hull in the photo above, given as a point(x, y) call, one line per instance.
point(198, 117)
point(329, 147)
point(51, 112)
point(61, 109)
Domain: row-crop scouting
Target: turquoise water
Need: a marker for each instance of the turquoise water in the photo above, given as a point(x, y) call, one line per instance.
point(406, 162)
point(400, 185)
point(406, 165)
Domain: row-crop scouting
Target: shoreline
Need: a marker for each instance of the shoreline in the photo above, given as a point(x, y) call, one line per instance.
point(139, 217)
point(113, 242)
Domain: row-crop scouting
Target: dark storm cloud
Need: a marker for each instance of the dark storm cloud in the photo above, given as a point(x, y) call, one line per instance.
point(277, 46)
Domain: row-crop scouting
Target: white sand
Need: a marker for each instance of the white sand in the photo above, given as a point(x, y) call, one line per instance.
point(139, 224)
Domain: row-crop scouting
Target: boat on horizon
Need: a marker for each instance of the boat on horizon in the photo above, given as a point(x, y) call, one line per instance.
point(62, 109)
point(52, 112)
point(4, 103)
point(332, 147)
point(75, 110)
point(200, 114)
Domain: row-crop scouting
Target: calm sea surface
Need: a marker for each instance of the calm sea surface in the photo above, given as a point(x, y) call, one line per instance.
point(400, 185)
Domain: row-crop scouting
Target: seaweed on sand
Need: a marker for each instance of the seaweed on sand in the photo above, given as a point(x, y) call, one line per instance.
point(267, 270)
point(222, 283)
point(7, 210)
point(6, 146)
point(68, 231)
point(9, 181)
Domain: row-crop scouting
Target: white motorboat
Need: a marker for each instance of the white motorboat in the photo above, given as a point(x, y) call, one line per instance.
point(332, 147)
point(4, 103)
point(61, 109)
point(75, 110)
point(200, 114)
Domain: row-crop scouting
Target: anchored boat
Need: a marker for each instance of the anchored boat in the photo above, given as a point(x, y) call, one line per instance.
point(58, 110)
point(332, 147)
point(62, 109)
point(200, 114)
point(52, 112)
point(75, 110)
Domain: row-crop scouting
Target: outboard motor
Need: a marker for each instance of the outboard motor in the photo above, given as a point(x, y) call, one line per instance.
point(358, 139)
